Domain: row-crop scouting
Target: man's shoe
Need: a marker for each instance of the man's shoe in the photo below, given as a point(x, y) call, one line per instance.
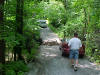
point(75, 68)
point(72, 65)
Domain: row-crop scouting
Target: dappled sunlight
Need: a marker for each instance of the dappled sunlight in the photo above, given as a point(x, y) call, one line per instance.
point(48, 54)
point(93, 64)
point(49, 51)
point(48, 36)
point(90, 66)
point(84, 66)
point(51, 55)
point(50, 48)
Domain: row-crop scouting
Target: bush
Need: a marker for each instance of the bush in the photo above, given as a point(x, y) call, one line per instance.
point(12, 68)
point(10, 72)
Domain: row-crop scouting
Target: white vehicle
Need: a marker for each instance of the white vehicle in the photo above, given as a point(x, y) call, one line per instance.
point(42, 23)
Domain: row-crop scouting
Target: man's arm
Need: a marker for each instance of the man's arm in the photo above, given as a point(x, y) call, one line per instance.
point(80, 45)
point(69, 43)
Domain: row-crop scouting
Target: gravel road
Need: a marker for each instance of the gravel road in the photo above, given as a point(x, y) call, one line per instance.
point(52, 63)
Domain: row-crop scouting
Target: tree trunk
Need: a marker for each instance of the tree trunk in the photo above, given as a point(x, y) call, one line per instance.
point(85, 27)
point(65, 2)
point(19, 16)
point(19, 21)
point(2, 42)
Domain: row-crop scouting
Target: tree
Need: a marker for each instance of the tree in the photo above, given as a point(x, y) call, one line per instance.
point(2, 42)
point(19, 28)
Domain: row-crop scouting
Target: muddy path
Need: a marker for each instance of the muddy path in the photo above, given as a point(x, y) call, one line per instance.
point(52, 63)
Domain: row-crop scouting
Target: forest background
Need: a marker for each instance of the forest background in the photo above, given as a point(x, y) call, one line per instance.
point(20, 32)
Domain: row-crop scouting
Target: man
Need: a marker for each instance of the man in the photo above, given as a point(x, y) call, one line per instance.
point(75, 45)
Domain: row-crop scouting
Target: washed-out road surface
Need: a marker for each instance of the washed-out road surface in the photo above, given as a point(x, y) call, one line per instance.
point(52, 63)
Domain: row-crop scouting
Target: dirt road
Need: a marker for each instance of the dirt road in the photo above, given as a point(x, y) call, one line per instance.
point(52, 63)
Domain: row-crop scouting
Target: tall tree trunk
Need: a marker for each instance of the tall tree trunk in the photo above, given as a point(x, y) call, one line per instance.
point(85, 25)
point(19, 21)
point(19, 16)
point(2, 42)
point(65, 2)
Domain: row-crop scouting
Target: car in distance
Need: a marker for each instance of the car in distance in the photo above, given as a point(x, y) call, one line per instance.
point(42, 23)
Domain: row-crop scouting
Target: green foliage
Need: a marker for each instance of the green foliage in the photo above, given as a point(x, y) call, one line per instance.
point(16, 66)
point(55, 12)
point(31, 30)
point(10, 72)
point(13, 68)
point(93, 47)
point(34, 51)
point(1, 68)
point(20, 73)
